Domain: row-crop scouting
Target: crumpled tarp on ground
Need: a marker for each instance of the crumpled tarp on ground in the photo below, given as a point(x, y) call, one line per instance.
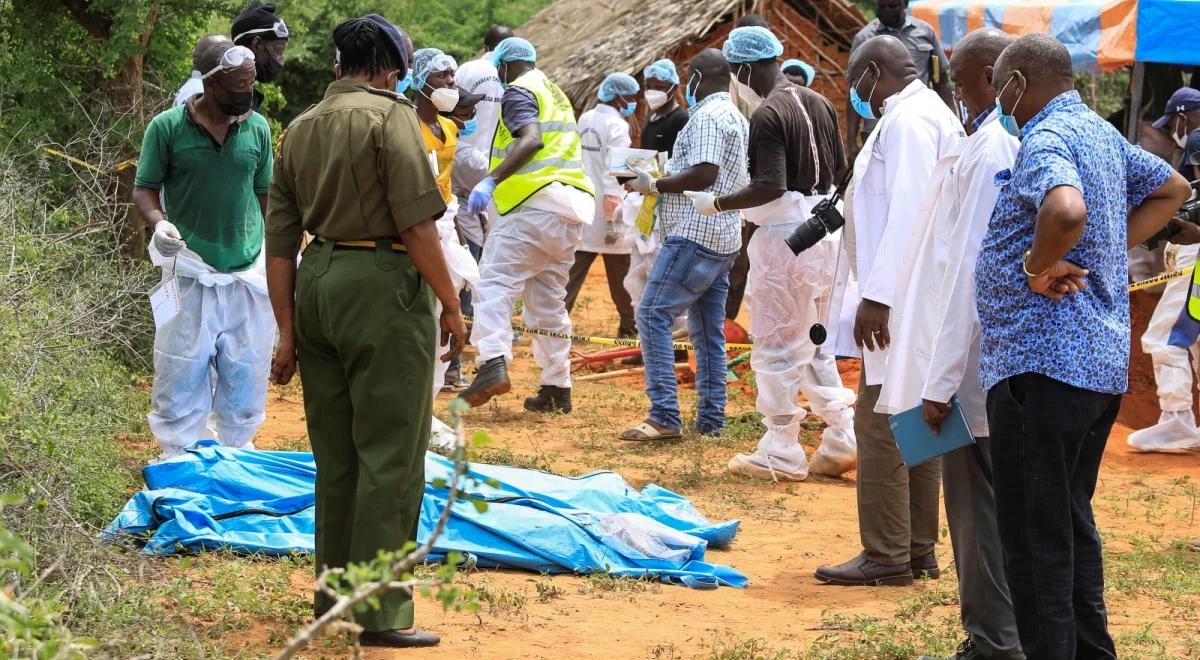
point(262, 502)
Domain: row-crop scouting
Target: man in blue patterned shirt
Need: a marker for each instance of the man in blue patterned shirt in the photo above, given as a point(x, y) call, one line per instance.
point(1054, 310)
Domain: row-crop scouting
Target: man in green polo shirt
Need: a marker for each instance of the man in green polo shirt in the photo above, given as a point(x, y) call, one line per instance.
point(209, 160)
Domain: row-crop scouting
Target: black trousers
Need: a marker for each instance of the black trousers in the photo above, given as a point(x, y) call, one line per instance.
point(616, 266)
point(1048, 439)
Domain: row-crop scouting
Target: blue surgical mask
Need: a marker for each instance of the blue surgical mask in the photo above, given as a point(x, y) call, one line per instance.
point(628, 110)
point(404, 83)
point(861, 106)
point(469, 128)
point(689, 93)
point(1009, 122)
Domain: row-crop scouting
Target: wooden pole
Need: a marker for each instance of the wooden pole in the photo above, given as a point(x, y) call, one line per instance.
point(1135, 102)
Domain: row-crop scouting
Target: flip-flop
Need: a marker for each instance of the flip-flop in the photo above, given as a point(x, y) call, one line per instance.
point(646, 432)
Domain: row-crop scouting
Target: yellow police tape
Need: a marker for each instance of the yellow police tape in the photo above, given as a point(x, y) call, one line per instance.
point(119, 167)
point(609, 341)
point(1159, 279)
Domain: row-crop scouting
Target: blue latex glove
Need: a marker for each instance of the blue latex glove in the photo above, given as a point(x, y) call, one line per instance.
point(481, 194)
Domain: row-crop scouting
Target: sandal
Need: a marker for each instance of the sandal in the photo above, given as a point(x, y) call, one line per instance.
point(646, 432)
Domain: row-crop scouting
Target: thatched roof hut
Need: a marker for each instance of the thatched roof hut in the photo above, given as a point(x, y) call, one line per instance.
point(581, 41)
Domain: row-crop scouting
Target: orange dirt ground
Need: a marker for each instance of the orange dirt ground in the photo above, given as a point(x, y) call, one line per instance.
point(787, 531)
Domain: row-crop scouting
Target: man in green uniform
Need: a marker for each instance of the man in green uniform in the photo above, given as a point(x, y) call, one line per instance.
point(358, 313)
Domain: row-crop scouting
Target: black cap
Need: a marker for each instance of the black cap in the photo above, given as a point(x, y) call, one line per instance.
point(468, 99)
point(258, 19)
point(395, 38)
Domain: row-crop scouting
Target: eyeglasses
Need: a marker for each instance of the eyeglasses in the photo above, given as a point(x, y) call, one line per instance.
point(279, 28)
point(232, 59)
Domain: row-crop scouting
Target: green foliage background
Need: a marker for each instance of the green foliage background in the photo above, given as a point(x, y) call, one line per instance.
point(55, 74)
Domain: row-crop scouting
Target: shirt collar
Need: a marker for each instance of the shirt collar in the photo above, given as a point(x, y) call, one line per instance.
point(346, 85)
point(908, 23)
point(718, 96)
point(913, 88)
point(606, 108)
point(1066, 102)
point(982, 118)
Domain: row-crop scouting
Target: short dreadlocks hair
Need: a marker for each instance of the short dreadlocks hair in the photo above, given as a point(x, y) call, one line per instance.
point(363, 48)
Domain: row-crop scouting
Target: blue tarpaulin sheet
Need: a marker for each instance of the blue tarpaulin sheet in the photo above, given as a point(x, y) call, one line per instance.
point(1162, 29)
point(262, 502)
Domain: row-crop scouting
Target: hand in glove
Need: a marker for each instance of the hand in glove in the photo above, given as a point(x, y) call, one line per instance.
point(480, 195)
point(705, 203)
point(642, 182)
point(166, 239)
point(610, 234)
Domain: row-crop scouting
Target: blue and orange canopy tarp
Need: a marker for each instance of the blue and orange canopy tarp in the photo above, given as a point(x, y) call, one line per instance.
point(1102, 35)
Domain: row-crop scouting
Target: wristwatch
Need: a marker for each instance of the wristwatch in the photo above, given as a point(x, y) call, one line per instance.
point(654, 186)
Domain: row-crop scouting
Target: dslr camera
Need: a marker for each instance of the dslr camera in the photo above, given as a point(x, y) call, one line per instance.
point(825, 219)
point(1189, 212)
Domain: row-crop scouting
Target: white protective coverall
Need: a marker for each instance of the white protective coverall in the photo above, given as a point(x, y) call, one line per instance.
point(214, 356)
point(529, 253)
point(787, 293)
point(600, 129)
point(463, 271)
point(641, 258)
point(1173, 366)
point(935, 328)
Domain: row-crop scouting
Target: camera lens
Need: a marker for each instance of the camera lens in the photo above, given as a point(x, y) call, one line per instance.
point(808, 234)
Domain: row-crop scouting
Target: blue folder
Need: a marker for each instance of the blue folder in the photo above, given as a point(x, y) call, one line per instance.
point(916, 440)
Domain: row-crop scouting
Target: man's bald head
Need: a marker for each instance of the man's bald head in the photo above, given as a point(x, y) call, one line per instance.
point(708, 73)
point(495, 35)
point(880, 68)
point(885, 51)
point(972, 66)
point(1030, 72)
point(206, 43)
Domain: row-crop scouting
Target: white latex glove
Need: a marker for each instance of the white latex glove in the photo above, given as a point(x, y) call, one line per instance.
point(705, 203)
point(166, 239)
point(642, 182)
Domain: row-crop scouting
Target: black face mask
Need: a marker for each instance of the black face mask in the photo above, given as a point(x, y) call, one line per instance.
point(267, 68)
point(235, 104)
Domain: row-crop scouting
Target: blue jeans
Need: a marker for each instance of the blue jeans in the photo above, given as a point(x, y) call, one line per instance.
point(686, 277)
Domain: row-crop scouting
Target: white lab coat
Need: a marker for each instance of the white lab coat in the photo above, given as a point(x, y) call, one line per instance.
point(890, 177)
point(935, 328)
point(601, 129)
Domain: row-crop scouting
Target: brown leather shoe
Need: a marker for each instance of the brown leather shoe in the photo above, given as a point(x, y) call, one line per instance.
point(926, 567)
point(860, 571)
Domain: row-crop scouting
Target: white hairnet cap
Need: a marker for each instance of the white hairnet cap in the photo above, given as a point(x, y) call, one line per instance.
point(809, 72)
point(663, 70)
point(617, 84)
point(751, 44)
point(514, 49)
point(428, 60)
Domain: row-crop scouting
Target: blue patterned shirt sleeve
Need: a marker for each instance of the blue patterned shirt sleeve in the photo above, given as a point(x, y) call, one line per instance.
point(1144, 173)
point(1050, 166)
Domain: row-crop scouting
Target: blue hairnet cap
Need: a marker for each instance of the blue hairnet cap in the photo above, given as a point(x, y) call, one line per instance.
point(514, 49)
point(751, 44)
point(663, 70)
point(617, 84)
point(428, 60)
point(809, 72)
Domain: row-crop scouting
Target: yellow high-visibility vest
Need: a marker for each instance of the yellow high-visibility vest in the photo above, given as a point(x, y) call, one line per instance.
point(561, 157)
point(1193, 303)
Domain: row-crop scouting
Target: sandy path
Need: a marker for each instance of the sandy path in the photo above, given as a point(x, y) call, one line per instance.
point(787, 532)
